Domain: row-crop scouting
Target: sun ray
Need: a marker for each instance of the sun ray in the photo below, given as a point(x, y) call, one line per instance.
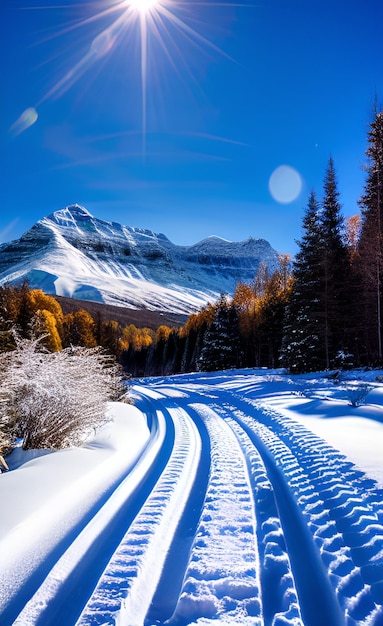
point(144, 44)
point(186, 29)
point(150, 18)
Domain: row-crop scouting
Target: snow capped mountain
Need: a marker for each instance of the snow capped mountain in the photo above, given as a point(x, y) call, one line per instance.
point(71, 253)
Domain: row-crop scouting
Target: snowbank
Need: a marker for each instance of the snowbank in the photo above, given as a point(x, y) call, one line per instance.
point(49, 496)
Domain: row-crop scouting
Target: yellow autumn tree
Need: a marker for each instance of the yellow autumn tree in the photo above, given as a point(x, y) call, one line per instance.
point(353, 231)
point(9, 303)
point(45, 323)
point(162, 333)
point(196, 320)
point(41, 300)
point(137, 338)
point(247, 305)
point(79, 329)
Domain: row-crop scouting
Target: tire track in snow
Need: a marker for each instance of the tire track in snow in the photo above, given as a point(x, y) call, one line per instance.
point(125, 591)
point(352, 546)
point(317, 601)
point(338, 504)
point(221, 583)
point(61, 596)
point(279, 596)
point(276, 493)
point(168, 589)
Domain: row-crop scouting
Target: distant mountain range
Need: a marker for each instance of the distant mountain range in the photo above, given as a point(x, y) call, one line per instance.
point(71, 253)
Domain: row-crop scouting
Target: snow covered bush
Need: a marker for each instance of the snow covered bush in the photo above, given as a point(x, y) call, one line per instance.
point(357, 392)
point(55, 400)
point(344, 360)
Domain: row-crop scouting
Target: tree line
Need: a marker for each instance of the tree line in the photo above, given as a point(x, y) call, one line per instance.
point(240, 331)
point(35, 314)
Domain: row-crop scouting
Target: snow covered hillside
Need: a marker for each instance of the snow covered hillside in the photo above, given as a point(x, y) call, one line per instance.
point(71, 253)
point(244, 497)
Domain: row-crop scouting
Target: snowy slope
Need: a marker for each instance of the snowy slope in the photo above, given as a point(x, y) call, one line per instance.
point(229, 509)
point(71, 253)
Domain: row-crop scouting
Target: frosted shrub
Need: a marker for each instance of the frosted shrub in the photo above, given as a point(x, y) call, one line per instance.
point(344, 360)
point(357, 392)
point(55, 400)
point(302, 388)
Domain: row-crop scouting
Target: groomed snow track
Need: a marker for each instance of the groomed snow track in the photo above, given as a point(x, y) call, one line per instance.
point(234, 514)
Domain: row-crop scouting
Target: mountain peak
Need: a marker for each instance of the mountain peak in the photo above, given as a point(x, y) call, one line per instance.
point(70, 215)
point(77, 209)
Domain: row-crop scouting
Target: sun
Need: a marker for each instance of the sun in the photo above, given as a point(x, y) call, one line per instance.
point(142, 6)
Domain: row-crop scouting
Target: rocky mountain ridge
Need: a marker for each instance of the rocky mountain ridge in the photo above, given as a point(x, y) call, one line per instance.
point(73, 254)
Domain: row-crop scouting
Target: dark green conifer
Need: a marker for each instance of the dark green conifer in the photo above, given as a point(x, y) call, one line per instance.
point(334, 296)
point(220, 349)
point(302, 347)
point(369, 259)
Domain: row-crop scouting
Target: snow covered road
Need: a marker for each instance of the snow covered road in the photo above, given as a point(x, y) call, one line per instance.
point(234, 512)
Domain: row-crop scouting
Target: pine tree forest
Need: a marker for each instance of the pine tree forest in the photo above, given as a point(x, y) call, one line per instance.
point(320, 311)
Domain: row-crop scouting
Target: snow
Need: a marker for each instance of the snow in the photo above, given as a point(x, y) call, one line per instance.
point(356, 431)
point(60, 469)
point(242, 497)
point(50, 496)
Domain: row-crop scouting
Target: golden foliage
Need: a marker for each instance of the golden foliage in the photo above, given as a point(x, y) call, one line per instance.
point(41, 300)
point(45, 323)
point(196, 320)
point(80, 329)
point(353, 230)
point(162, 333)
point(137, 338)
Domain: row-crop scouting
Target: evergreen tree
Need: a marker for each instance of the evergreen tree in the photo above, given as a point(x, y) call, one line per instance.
point(369, 261)
point(220, 349)
point(354, 316)
point(170, 353)
point(135, 361)
point(190, 340)
point(302, 346)
point(192, 337)
point(316, 328)
point(179, 351)
point(335, 303)
point(198, 346)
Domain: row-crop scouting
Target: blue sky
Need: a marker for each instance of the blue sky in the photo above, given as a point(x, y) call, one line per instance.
point(179, 119)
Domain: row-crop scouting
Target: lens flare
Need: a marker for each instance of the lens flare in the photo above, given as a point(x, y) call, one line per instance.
point(26, 119)
point(285, 184)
